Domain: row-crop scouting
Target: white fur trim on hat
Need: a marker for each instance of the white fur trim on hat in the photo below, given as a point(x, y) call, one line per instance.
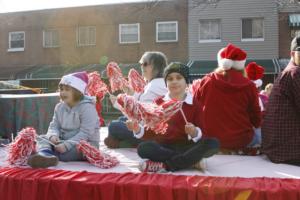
point(74, 82)
point(239, 65)
point(228, 63)
point(258, 83)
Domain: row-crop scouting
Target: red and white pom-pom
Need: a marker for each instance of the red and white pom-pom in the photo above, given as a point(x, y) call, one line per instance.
point(194, 86)
point(116, 79)
point(96, 86)
point(95, 157)
point(155, 117)
point(129, 107)
point(23, 146)
point(254, 71)
point(136, 81)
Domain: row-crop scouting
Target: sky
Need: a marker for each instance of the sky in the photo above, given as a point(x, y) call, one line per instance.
point(24, 5)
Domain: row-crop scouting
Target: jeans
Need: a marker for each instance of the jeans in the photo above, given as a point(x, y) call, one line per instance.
point(178, 157)
point(70, 155)
point(119, 131)
point(256, 141)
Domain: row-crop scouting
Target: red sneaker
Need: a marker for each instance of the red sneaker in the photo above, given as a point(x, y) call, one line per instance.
point(151, 166)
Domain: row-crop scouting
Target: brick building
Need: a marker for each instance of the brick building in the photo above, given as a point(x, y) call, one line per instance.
point(91, 35)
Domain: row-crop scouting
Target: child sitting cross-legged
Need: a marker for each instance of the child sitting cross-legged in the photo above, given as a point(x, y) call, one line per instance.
point(182, 145)
point(75, 118)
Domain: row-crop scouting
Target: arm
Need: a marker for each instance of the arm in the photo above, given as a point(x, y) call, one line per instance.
point(88, 122)
point(152, 92)
point(255, 110)
point(54, 127)
point(296, 90)
point(200, 88)
point(196, 122)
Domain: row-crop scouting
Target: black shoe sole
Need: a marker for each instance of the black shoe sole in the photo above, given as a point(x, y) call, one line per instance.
point(39, 161)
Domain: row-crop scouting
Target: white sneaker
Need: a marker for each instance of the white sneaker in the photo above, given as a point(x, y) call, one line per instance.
point(201, 165)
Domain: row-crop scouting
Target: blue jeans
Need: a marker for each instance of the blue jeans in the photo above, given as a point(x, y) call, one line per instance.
point(256, 141)
point(71, 155)
point(119, 131)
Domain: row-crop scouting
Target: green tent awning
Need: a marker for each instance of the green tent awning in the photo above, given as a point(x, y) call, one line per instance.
point(294, 20)
point(202, 67)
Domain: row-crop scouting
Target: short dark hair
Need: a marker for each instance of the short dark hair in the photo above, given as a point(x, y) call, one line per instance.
point(295, 44)
point(158, 60)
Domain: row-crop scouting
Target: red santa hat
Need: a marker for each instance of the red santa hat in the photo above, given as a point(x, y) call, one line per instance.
point(78, 80)
point(232, 57)
point(255, 73)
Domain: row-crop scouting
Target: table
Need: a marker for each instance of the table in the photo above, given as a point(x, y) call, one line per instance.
point(20, 111)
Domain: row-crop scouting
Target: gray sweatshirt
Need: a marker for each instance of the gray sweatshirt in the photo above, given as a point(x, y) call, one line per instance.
point(80, 122)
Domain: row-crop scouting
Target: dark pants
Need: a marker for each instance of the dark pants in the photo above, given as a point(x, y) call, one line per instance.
point(297, 163)
point(119, 131)
point(178, 157)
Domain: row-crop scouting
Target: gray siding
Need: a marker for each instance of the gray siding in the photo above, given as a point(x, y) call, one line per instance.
point(231, 12)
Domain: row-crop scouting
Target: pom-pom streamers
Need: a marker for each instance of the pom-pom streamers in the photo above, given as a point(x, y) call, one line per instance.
point(95, 157)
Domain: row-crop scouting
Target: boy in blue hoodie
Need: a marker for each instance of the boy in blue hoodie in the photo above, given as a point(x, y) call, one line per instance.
point(75, 118)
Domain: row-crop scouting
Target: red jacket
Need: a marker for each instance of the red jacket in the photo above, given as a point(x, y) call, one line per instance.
point(175, 133)
point(229, 108)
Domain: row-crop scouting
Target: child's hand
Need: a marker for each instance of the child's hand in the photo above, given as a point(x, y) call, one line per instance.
point(191, 130)
point(128, 90)
point(61, 148)
point(54, 139)
point(113, 99)
point(133, 126)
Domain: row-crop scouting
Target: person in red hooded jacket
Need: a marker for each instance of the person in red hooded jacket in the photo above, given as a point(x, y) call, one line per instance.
point(229, 104)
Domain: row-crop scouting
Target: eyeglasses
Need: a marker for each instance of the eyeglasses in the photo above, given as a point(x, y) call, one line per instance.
point(144, 64)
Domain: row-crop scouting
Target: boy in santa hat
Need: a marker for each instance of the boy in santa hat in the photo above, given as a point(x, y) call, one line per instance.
point(75, 119)
point(229, 105)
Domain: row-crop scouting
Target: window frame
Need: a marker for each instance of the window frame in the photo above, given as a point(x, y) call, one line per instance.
point(120, 33)
point(210, 40)
point(253, 39)
point(9, 42)
point(78, 36)
point(166, 22)
point(44, 45)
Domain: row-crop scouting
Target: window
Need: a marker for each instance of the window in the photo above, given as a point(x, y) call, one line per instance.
point(86, 36)
point(253, 29)
point(167, 31)
point(129, 33)
point(50, 38)
point(16, 41)
point(210, 30)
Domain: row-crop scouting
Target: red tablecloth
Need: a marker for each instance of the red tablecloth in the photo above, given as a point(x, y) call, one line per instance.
point(42, 184)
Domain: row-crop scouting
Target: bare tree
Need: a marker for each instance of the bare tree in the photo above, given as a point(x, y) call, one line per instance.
point(202, 4)
point(150, 4)
point(284, 3)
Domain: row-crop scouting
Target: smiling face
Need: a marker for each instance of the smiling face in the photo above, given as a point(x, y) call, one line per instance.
point(69, 95)
point(176, 84)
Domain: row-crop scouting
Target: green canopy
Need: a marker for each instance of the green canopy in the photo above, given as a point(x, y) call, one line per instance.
point(202, 67)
